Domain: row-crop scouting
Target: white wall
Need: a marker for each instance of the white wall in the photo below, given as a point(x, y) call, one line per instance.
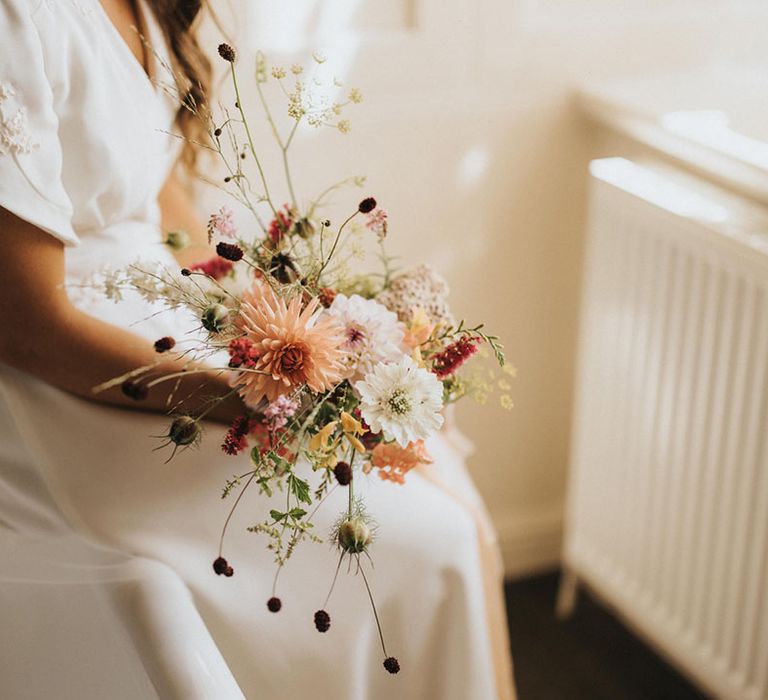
point(471, 140)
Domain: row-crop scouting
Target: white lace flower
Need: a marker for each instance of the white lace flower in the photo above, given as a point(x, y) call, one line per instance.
point(372, 334)
point(402, 400)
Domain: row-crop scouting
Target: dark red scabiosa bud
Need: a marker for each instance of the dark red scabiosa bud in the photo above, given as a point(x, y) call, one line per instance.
point(184, 430)
point(322, 621)
point(343, 473)
point(367, 205)
point(274, 604)
point(326, 295)
point(164, 344)
point(227, 52)
point(229, 251)
point(134, 390)
point(222, 568)
point(392, 664)
point(185, 272)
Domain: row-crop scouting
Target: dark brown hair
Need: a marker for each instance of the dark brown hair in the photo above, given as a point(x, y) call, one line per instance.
point(178, 20)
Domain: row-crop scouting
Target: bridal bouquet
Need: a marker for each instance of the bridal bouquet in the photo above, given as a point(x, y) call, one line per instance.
point(345, 370)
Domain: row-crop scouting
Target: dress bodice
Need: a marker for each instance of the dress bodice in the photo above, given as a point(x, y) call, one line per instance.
point(85, 142)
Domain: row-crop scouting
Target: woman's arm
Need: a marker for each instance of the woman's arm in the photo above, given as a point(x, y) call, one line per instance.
point(43, 334)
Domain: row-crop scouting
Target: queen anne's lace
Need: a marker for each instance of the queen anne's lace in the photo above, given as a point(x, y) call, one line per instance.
point(14, 127)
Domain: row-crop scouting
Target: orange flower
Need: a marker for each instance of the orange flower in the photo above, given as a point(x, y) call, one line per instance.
point(295, 347)
point(394, 462)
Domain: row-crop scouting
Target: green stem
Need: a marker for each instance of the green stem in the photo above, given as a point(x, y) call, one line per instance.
point(250, 141)
point(335, 243)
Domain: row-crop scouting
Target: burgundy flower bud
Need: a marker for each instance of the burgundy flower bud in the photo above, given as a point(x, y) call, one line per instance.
point(392, 664)
point(322, 621)
point(227, 52)
point(229, 251)
point(274, 604)
point(222, 567)
point(164, 344)
point(134, 390)
point(367, 205)
point(343, 473)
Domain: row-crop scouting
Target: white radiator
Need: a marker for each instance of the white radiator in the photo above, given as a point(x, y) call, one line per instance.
point(668, 498)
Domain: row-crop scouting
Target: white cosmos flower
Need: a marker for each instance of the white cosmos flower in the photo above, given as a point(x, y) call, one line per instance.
point(372, 332)
point(402, 400)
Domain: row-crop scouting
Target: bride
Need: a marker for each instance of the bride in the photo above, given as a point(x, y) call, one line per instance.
point(88, 178)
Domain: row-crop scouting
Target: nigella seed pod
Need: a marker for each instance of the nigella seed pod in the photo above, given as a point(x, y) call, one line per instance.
point(134, 390)
point(227, 52)
point(367, 205)
point(184, 430)
point(229, 251)
point(177, 240)
point(322, 621)
point(274, 604)
point(354, 535)
point(343, 473)
point(164, 344)
point(215, 318)
point(392, 664)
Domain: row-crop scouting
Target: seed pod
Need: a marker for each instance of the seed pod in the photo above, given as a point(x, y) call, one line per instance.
point(177, 240)
point(274, 604)
point(215, 318)
point(354, 535)
point(184, 430)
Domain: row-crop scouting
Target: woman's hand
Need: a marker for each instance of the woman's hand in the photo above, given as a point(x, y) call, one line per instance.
point(43, 334)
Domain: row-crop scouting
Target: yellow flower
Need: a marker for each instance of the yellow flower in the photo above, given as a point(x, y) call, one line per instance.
point(322, 444)
point(352, 428)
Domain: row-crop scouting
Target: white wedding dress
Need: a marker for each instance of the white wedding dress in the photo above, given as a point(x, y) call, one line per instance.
point(84, 151)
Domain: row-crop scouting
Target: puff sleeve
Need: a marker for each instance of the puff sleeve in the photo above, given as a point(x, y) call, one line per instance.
point(31, 154)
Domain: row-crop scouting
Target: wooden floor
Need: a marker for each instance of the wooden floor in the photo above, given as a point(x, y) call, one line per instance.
point(591, 656)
